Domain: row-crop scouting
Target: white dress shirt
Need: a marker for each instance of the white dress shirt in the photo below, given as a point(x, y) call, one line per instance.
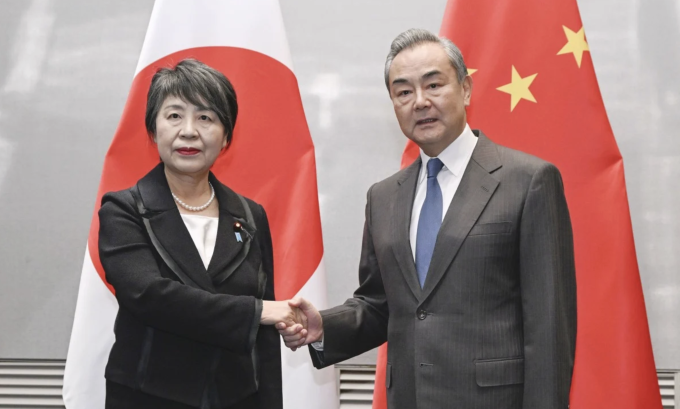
point(455, 158)
point(203, 231)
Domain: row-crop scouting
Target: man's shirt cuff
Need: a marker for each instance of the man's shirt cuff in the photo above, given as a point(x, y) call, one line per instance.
point(318, 345)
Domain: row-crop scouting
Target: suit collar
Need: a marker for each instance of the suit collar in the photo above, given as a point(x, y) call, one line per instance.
point(166, 222)
point(157, 197)
point(474, 192)
point(229, 252)
point(401, 221)
point(486, 153)
point(455, 156)
point(409, 171)
point(476, 188)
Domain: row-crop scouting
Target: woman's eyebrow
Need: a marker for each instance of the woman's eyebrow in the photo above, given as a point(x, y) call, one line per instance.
point(174, 106)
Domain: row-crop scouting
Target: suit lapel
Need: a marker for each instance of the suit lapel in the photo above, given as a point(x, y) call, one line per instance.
point(474, 192)
point(169, 228)
point(229, 252)
point(401, 222)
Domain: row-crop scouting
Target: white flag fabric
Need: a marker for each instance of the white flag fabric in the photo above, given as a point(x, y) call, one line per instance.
point(270, 160)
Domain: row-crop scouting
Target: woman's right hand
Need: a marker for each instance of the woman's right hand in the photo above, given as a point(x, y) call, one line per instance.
point(274, 312)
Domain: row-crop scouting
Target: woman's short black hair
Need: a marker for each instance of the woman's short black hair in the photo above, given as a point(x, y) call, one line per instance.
point(197, 84)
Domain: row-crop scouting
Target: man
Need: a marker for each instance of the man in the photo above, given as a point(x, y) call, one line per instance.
point(467, 264)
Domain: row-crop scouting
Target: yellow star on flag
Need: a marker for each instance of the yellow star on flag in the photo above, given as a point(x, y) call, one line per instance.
point(518, 88)
point(471, 71)
point(576, 44)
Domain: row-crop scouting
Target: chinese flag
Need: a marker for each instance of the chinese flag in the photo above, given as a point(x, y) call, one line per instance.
point(535, 90)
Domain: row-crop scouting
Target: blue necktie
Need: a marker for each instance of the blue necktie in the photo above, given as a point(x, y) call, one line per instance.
point(430, 220)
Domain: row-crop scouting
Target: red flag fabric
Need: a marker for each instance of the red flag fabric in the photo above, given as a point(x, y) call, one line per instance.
point(270, 160)
point(535, 90)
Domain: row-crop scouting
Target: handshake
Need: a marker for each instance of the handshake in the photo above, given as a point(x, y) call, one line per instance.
point(297, 320)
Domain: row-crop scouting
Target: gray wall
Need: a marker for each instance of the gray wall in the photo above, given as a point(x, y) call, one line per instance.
point(66, 67)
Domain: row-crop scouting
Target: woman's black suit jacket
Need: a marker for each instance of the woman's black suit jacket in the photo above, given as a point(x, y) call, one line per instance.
point(198, 342)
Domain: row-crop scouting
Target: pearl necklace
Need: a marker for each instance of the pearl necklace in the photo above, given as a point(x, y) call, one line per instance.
point(195, 208)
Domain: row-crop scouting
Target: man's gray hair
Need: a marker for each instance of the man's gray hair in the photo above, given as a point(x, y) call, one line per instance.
point(415, 36)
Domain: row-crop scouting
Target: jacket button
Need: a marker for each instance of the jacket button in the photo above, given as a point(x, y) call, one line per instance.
point(422, 314)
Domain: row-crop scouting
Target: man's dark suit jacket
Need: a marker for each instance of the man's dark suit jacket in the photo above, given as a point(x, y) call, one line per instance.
point(495, 325)
point(179, 341)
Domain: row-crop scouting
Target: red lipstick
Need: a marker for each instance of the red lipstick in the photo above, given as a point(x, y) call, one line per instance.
point(187, 151)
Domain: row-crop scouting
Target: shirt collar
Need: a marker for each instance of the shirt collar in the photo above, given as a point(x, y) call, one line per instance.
point(455, 156)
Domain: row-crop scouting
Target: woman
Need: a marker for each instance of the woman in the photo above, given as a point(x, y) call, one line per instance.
point(191, 262)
